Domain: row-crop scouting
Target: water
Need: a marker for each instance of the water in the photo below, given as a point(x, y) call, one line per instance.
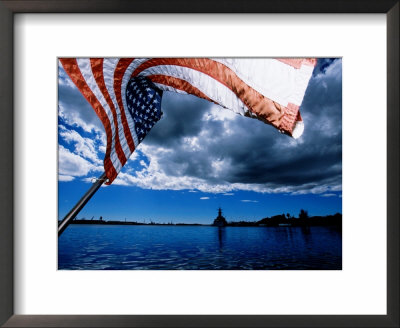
point(118, 247)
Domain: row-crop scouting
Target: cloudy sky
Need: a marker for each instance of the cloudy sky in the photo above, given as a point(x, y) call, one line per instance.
point(200, 156)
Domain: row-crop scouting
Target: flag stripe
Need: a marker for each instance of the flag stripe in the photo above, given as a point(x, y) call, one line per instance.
point(109, 65)
point(178, 84)
point(86, 71)
point(97, 69)
point(125, 81)
point(72, 69)
point(165, 87)
point(214, 90)
point(298, 62)
point(118, 76)
point(272, 78)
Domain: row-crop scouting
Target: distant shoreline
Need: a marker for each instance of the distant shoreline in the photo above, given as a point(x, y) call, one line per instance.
point(102, 222)
point(275, 221)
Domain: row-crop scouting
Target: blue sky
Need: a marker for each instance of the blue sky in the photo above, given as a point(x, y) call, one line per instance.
point(199, 157)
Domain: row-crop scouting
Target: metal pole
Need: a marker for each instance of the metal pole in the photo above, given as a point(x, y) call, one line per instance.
point(79, 205)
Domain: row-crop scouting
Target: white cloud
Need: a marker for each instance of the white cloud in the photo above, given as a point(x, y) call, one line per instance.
point(191, 143)
point(218, 113)
point(249, 201)
point(73, 165)
point(314, 188)
point(101, 137)
point(93, 179)
point(328, 195)
point(204, 198)
point(73, 117)
point(83, 146)
point(65, 178)
point(219, 166)
point(153, 176)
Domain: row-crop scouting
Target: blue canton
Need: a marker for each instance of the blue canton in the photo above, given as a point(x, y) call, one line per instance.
point(143, 99)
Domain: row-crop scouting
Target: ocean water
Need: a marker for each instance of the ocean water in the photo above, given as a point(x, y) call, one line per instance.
point(118, 247)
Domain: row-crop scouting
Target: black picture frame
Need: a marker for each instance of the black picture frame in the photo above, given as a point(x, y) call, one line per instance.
point(7, 11)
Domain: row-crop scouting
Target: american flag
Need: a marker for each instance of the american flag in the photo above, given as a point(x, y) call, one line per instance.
point(126, 93)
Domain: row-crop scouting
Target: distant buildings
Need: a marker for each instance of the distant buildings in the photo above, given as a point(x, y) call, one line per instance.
point(220, 221)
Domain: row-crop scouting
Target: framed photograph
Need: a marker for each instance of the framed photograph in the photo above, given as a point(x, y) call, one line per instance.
point(198, 193)
point(203, 226)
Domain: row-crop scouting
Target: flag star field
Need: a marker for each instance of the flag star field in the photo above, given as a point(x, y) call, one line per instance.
point(144, 104)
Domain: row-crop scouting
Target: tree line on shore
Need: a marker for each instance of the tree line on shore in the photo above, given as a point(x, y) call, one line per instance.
point(287, 220)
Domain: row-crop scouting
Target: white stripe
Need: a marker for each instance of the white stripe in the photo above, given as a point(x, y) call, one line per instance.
point(205, 83)
point(109, 65)
point(86, 70)
point(272, 78)
point(169, 88)
point(136, 63)
point(301, 84)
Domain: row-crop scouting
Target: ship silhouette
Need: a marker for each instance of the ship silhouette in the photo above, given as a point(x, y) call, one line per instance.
point(220, 221)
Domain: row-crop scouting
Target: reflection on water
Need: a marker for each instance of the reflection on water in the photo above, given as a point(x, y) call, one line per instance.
point(221, 237)
point(98, 247)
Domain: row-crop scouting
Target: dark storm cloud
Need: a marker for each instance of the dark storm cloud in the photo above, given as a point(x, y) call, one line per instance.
point(322, 65)
point(181, 119)
point(248, 151)
point(323, 98)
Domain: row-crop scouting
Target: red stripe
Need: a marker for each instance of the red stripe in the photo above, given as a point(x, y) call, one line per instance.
point(299, 118)
point(291, 116)
point(178, 84)
point(297, 62)
point(118, 76)
point(71, 67)
point(266, 110)
point(97, 69)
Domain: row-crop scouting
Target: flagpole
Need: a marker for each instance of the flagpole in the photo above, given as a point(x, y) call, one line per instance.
point(80, 204)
